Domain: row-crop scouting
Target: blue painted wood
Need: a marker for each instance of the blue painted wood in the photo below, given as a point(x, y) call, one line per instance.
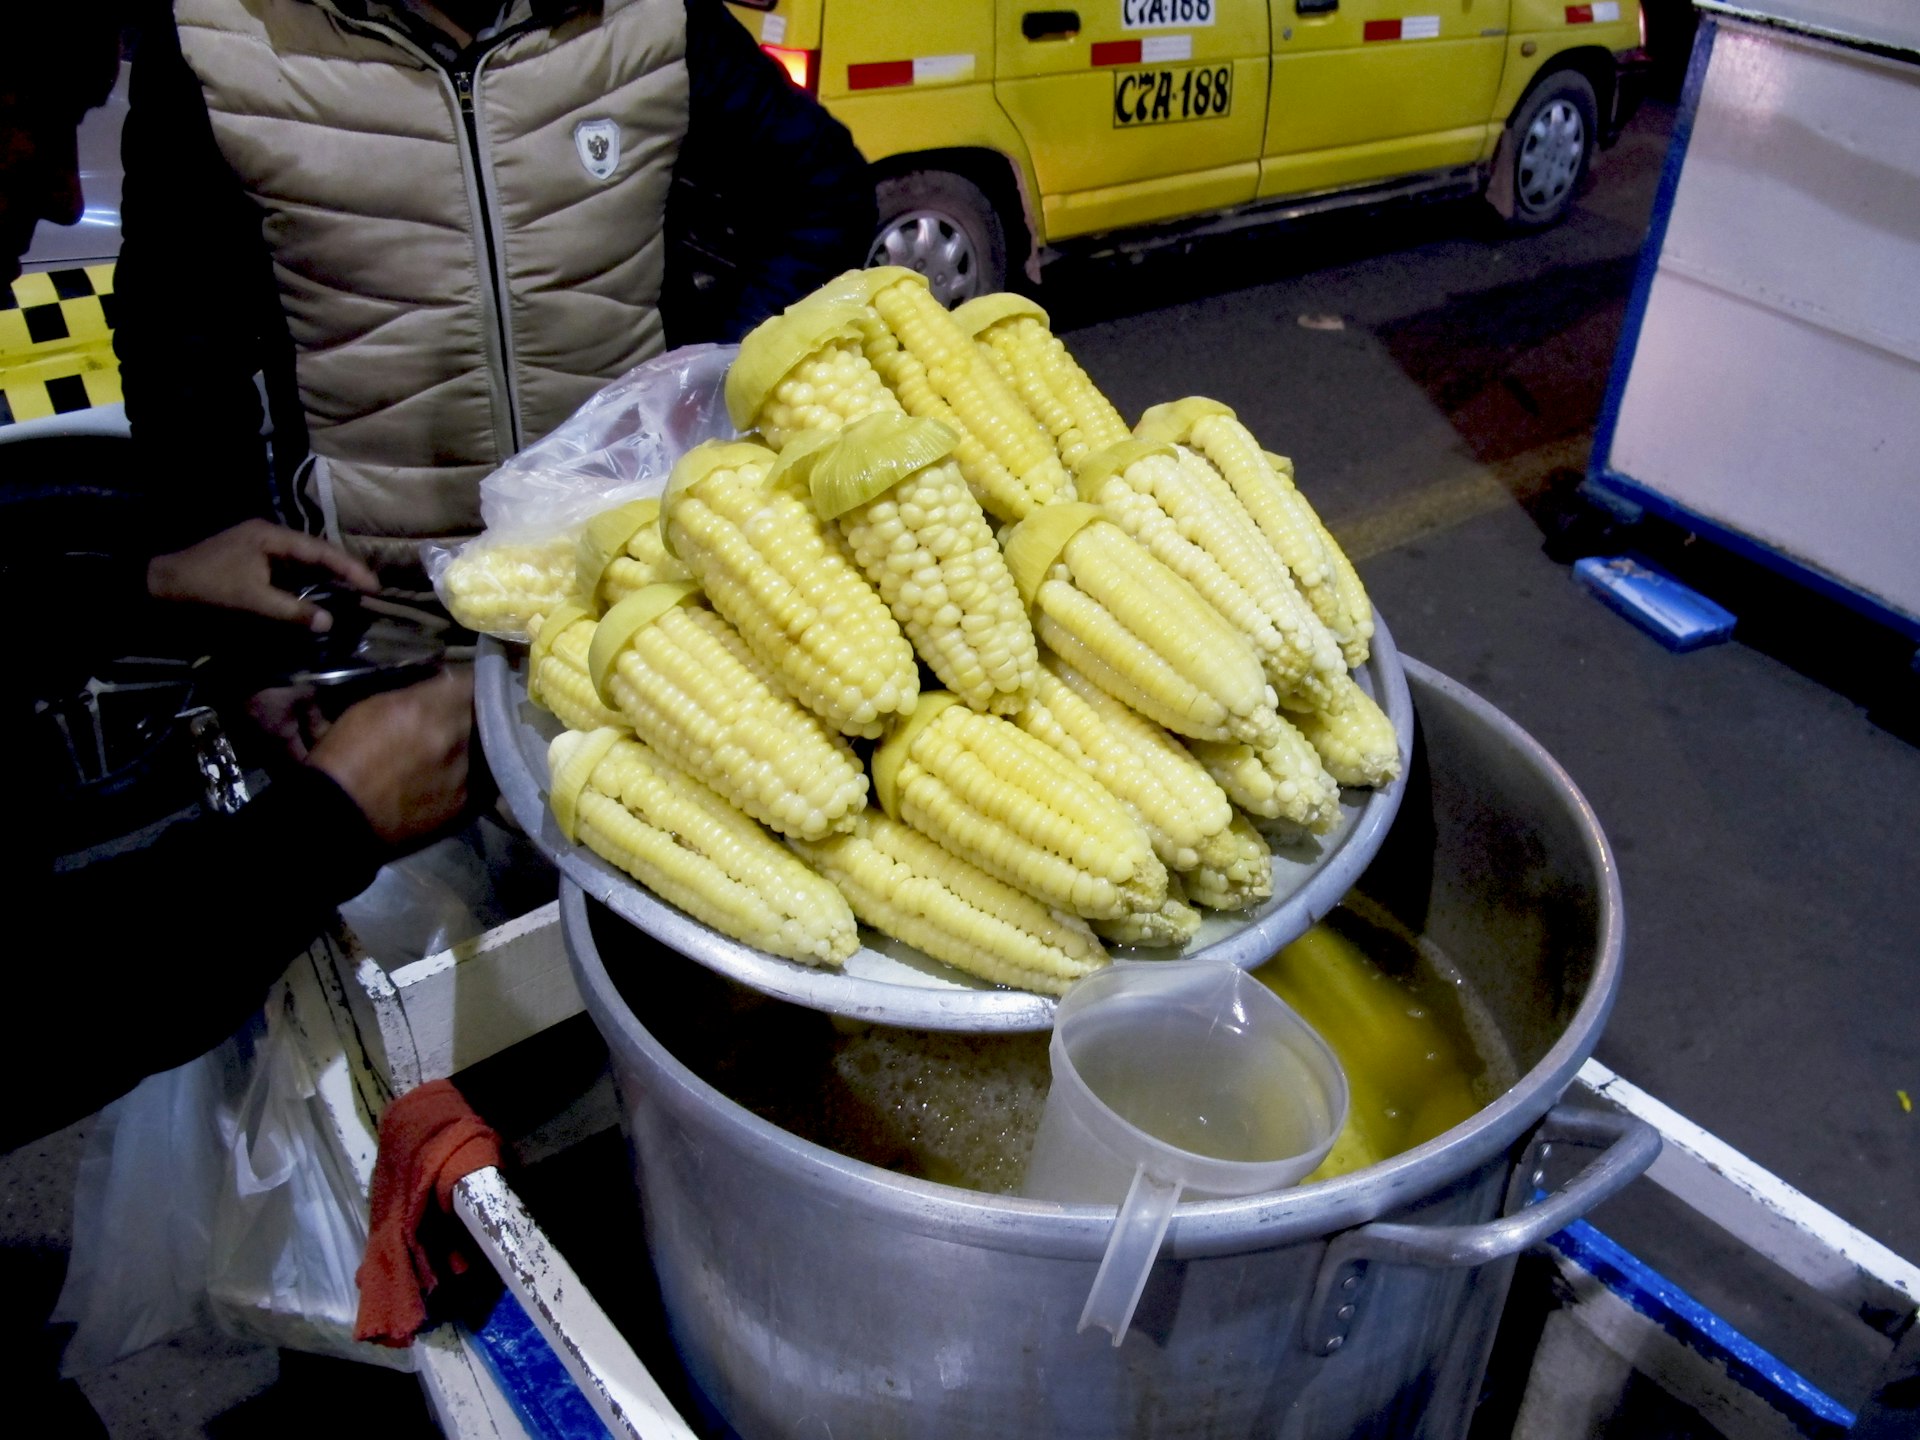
point(532, 1378)
point(1809, 1407)
point(1618, 487)
point(1599, 463)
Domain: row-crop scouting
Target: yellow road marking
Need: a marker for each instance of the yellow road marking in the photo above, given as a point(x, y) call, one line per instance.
point(1453, 502)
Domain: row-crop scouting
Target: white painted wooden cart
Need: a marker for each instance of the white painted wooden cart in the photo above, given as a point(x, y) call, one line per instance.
point(1610, 1334)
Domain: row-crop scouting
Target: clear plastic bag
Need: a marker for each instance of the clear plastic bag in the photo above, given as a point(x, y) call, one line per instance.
point(288, 1228)
point(458, 887)
point(143, 1207)
point(208, 1196)
point(618, 446)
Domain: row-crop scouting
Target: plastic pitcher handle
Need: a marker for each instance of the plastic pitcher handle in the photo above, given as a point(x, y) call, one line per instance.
point(1137, 1233)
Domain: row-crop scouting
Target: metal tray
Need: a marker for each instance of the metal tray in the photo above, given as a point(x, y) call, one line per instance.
point(885, 981)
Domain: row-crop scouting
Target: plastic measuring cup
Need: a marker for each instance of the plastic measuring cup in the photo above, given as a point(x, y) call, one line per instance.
point(1176, 1077)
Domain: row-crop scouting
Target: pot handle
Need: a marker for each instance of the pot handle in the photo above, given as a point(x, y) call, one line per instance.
point(1631, 1145)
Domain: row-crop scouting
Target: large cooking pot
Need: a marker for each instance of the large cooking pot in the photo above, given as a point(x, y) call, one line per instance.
point(813, 1295)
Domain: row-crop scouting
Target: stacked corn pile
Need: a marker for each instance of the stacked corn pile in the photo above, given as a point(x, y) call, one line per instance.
point(945, 648)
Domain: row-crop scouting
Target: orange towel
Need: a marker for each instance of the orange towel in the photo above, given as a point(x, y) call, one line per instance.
point(430, 1138)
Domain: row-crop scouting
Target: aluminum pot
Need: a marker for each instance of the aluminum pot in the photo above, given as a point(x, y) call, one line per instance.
point(813, 1295)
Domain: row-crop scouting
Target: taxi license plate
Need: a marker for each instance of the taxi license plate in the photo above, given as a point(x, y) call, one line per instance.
point(1169, 94)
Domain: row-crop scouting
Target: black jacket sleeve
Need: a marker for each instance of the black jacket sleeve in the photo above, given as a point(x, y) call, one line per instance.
point(197, 310)
point(151, 958)
point(771, 197)
point(139, 962)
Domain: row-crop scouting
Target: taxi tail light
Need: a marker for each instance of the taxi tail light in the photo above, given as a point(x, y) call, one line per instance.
point(802, 66)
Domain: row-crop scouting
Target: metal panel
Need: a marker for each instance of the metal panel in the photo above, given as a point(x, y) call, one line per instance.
point(1772, 385)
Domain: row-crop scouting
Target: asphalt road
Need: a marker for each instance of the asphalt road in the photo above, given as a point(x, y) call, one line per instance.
point(1437, 385)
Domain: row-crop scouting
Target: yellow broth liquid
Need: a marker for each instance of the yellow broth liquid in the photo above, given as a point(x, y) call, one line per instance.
point(1375, 998)
point(963, 1109)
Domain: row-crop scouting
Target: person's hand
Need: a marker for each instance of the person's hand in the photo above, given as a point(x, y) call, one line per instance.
point(234, 570)
point(289, 715)
point(402, 755)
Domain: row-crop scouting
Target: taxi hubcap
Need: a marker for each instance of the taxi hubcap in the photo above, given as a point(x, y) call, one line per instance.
point(936, 247)
point(1550, 155)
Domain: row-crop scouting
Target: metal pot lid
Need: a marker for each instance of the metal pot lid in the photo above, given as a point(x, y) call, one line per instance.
point(890, 983)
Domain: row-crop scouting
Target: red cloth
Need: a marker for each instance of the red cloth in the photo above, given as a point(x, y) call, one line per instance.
point(430, 1139)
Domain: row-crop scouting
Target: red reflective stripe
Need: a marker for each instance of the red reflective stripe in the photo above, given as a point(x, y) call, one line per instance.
point(1579, 14)
point(879, 74)
point(1116, 52)
point(1381, 30)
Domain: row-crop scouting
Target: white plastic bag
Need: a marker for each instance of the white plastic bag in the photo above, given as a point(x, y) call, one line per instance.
point(618, 446)
point(143, 1208)
point(460, 886)
point(207, 1195)
point(288, 1230)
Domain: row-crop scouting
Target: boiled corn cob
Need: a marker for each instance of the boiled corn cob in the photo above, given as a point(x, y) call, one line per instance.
point(690, 687)
point(1173, 503)
point(1135, 628)
point(693, 849)
point(918, 534)
point(998, 797)
point(1347, 585)
point(1056, 391)
point(903, 377)
point(1237, 872)
point(1171, 926)
point(1281, 781)
point(497, 588)
point(907, 886)
point(557, 677)
point(938, 372)
point(784, 580)
point(806, 370)
point(1276, 505)
point(1354, 738)
point(619, 552)
point(1134, 759)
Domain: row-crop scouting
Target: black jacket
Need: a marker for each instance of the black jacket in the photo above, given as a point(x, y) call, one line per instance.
point(770, 199)
point(140, 962)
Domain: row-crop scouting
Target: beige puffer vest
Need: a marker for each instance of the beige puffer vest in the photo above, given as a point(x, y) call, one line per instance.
point(450, 300)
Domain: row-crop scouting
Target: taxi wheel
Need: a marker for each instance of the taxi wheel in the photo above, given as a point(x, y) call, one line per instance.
point(942, 225)
point(1552, 145)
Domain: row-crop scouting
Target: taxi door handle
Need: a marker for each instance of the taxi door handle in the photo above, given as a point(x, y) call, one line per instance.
point(1050, 24)
point(1315, 7)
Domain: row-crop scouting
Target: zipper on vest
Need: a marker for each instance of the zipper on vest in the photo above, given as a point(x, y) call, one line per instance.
point(487, 209)
point(460, 81)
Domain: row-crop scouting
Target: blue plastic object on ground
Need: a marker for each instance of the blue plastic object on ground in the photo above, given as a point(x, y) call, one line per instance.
point(1678, 617)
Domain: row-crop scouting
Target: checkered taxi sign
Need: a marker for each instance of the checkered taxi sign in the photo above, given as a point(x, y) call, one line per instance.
point(56, 344)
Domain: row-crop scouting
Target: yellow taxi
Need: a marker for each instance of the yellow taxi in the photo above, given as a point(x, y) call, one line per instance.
point(1001, 132)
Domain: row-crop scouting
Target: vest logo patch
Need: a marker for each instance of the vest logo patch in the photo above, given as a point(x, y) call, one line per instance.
point(598, 144)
